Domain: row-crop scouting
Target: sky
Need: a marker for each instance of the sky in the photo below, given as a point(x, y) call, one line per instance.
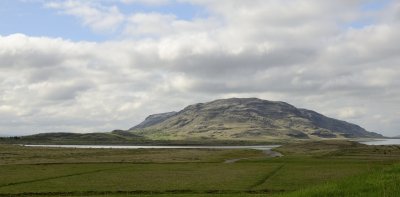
point(100, 65)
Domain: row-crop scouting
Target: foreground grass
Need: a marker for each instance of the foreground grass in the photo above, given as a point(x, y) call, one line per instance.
point(140, 177)
point(264, 177)
point(383, 182)
point(331, 168)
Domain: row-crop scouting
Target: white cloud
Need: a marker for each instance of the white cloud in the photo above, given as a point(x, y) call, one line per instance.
point(95, 16)
point(301, 52)
point(147, 2)
point(149, 24)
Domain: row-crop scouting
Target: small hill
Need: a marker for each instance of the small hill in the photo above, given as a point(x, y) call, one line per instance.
point(114, 137)
point(246, 119)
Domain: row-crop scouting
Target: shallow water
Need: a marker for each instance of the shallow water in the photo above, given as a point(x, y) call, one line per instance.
point(382, 142)
point(260, 147)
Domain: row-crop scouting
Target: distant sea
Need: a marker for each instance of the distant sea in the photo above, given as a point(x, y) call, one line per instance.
point(382, 142)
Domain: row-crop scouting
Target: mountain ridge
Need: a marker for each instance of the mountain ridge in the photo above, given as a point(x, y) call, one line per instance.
point(246, 119)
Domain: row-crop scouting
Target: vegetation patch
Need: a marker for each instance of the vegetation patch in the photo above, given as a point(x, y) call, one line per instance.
point(324, 168)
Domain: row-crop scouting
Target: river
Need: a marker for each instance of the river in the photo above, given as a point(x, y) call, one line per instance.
point(258, 147)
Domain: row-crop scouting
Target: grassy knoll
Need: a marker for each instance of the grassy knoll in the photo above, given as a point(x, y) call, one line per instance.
point(330, 168)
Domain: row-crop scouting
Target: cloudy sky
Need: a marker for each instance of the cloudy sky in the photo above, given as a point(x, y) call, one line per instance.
point(86, 66)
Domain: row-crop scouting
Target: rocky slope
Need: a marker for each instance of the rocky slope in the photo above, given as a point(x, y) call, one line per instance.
point(246, 119)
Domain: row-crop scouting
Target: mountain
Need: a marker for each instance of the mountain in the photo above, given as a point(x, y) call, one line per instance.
point(246, 119)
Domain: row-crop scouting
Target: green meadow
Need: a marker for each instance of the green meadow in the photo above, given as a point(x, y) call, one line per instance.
point(330, 168)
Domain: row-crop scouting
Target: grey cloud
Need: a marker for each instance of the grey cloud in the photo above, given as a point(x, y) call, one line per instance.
point(248, 62)
point(65, 91)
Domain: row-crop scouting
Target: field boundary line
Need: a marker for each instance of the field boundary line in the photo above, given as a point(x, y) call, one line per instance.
point(57, 177)
point(266, 177)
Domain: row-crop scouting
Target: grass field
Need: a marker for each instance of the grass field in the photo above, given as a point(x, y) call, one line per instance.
point(331, 168)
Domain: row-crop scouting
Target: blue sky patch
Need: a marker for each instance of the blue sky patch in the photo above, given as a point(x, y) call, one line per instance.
point(34, 19)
